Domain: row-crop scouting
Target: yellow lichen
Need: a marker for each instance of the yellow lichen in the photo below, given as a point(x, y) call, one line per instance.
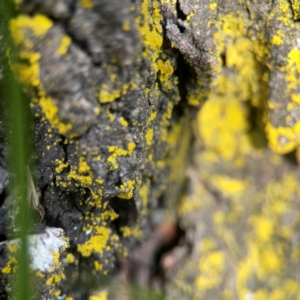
point(211, 267)
point(213, 6)
point(263, 228)
point(283, 136)
point(103, 295)
point(227, 185)
point(10, 267)
point(276, 40)
point(166, 70)
point(29, 72)
point(54, 279)
point(133, 231)
point(83, 167)
point(105, 95)
point(293, 67)
point(283, 139)
point(70, 258)
point(60, 165)
point(112, 160)
point(123, 122)
point(38, 24)
point(152, 116)
point(116, 151)
point(296, 9)
point(64, 45)
point(126, 25)
point(85, 180)
point(88, 4)
point(131, 146)
point(223, 125)
point(144, 192)
point(149, 136)
point(150, 28)
point(97, 243)
point(128, 188)
point(108, 94)
point(97, 265)
point(50, 110)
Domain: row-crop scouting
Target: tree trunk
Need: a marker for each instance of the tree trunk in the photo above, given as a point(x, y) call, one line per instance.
point(145, 111)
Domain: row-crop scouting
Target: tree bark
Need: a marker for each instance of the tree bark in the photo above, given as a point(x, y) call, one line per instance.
point(189, 108)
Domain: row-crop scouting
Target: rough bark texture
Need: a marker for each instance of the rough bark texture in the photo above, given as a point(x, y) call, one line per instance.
point(187, 110)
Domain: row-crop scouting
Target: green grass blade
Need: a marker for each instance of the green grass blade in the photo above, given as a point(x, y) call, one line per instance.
point(17, 135)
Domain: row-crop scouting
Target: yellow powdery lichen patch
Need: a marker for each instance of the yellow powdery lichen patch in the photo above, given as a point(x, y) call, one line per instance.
point(29, 72)
point(223, 121)
point(150, 27)
point(116, 151)
point(97, 243)
point(83, 167)
point(283, 139)
point(96, 198)
point(227, 185)
point(126, 25)
point(149, 137)
point(60, 165)
point(105, 95)
point(223, 125)
point(128, 188)
point(293, 69)
point(70, 258)
point(151, 31)
point(84, 180)
point(133, 231)
point(213, 6)
point(123, 122)
point(38, 25)
point(103, 295)
point(263, 228)
point(10, 267)
point(112, 160)
point(296, 98)
point(88, 4)
point(188, 204)
point(144, 194)
point(296, 9)
point(97, 265)
point(269, 250)
point(283, 133)
point(211, 267)
point(50, 110)
point(64, 45)
point(131, 146)
point(276, 40)
point(109, 94)
point(243, 57)
point(166, 70)
point(251, 240)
